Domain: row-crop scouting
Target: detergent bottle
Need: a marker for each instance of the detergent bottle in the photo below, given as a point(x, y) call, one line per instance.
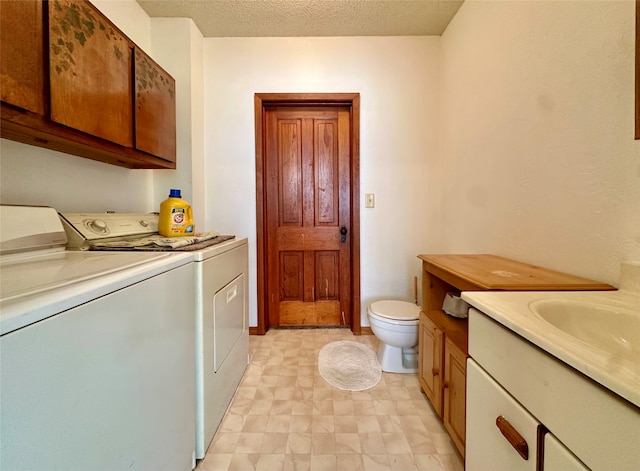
point(176, 217)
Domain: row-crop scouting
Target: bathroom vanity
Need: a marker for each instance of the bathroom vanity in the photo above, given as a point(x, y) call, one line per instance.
point(443, 340)
point(553, 381)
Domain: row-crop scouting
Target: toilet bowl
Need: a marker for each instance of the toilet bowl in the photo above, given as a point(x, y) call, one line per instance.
point(395, 324)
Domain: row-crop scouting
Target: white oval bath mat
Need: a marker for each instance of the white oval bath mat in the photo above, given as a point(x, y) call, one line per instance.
point(348, 365)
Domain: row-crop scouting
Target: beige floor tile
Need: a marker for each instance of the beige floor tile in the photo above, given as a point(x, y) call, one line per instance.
point(322, 424)
point(324, 462)
point(300, 423)
point(232, 423)
point(281, 407)
point(405, 407)
point(270, 462)
point(421, 443)
point(246, 392)
point(285, 416)
point(451, 462)
point(225, 442)
point(371, 443)
point(249, 442)
point(299, 443)
point(278, 423)
point(243, 462)
point(396, 443)
point(297, 463)
point(412, 424)
point(265, 392)
point(349, 463)
point(287, 382)
point(364, 407)
point(376, 462)
point(390, 423)
point(402, 463)
point(302, 408)
point(323, 444)
point(368, 424)
point(347, 423)
point(255, 423)
point(215, 462)
point(443, 443)
point(384, 407)
point(274, 442)
point(428, 462)
point(260, 407)
point(284, 394)
point(348, 443)
point(343, 407)
point(301, 392)
point(323, 407)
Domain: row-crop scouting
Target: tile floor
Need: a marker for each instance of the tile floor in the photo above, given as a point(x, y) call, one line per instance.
point(286, 417)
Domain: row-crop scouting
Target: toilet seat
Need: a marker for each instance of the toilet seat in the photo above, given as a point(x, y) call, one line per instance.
point(395, 312)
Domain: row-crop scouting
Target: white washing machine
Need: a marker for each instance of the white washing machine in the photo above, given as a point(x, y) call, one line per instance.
point(96, 353)
point(220, 297)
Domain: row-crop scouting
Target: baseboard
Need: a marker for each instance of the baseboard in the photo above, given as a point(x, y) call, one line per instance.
point(364, 330)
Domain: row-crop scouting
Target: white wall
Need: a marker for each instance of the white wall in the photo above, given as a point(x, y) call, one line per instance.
point(397, 78)
point(177, 44)
point(36, 176)
point(538, 159)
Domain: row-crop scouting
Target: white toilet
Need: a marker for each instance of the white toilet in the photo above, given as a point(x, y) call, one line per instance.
point(395, 324)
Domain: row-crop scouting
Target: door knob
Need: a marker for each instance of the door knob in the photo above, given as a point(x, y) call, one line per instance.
point(343, 234)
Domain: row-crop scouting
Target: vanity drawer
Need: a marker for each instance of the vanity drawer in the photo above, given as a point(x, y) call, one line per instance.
point(490, 450)
point(602, 429)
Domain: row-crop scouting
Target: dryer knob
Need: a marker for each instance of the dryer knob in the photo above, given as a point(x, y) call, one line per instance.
point(97, 225)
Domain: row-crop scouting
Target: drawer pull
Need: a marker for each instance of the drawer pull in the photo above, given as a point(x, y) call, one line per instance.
point(513, 437)
point(435, 372)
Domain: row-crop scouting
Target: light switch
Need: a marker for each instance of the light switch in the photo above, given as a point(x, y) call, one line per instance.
point(369, 200)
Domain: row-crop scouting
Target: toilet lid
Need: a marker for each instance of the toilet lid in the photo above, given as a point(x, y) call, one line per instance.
point(398, 310)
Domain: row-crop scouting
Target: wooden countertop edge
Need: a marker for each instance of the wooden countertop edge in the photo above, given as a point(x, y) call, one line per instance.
point(588, 285)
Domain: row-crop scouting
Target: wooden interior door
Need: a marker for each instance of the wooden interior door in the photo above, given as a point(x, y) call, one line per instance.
point(307, 188)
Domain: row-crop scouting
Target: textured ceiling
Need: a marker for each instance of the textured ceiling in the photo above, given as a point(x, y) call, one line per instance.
point(264, 18)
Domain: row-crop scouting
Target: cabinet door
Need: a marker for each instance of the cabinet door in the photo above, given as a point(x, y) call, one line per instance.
point(430, 359)
point(90, 72)
point(155, 108)
point(487, 447)
point(21, 54)
point(454, 387)
point(558, 458)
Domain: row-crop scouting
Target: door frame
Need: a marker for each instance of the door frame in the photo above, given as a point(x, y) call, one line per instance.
point(262, 101)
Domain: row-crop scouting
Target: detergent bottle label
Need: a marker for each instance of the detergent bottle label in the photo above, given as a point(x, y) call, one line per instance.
point(178, 216)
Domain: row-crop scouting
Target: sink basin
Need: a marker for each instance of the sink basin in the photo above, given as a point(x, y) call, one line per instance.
point(613, 329)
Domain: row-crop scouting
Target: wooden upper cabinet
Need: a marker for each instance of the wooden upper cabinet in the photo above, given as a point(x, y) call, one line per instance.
point(21, 54)
point(155, 108)
point(89, 72)
point(80, 96)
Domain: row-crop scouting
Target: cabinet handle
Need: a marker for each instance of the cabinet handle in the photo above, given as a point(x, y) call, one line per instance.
point(445, 385)
point(513, 437)
point(435, 372)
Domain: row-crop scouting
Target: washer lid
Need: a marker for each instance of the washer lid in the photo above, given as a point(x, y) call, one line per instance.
point(398, 310)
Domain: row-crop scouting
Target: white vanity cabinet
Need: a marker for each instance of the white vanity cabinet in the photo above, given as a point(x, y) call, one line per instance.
point(492, 450)
point(558, 458)
point(512, 439)
point(568, 421)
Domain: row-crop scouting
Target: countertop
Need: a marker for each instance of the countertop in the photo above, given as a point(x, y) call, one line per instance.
point(491, 272)
point(511, 309)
